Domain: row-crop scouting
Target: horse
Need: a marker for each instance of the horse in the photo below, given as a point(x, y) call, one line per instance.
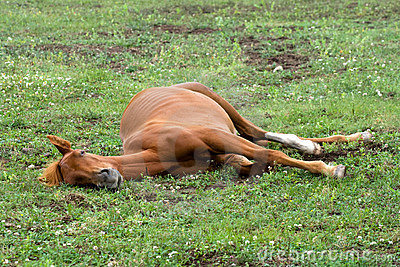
point(183, 129)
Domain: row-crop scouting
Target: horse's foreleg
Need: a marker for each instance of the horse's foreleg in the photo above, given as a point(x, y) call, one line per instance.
point(241, 164)
point(312, 166)
point(145, 163)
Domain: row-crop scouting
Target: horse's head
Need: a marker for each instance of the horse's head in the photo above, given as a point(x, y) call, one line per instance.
point(80, 168)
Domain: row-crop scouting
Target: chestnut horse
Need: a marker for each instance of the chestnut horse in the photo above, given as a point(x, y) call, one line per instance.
point(180, 130)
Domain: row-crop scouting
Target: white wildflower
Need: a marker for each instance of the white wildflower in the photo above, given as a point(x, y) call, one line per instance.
point(172, 253)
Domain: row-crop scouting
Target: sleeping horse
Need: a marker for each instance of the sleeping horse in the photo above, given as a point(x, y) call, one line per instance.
point(183, 129)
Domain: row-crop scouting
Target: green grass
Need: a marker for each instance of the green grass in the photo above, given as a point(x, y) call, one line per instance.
point(70, 67)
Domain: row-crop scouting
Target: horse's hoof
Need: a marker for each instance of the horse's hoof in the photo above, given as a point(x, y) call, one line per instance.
point(367, 136)
point(340, 171)
point(311, 148)
point(317, 149)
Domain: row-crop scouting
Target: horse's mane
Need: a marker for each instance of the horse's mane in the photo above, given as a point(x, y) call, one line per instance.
point(51, 175)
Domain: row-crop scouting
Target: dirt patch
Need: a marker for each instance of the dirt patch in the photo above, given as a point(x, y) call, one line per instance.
point(75, 200)
point(256, 49)
point(288, 61)
point(71, 199)
point(203, 30)
point(212, 258)
point(249, 41)
point(391, 95)
point(253, 49)
point(331, 156)
point(371, 148)
point(178, 29)
point(188, 194)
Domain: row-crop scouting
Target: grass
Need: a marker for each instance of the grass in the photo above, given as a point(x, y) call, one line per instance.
point(70, 68)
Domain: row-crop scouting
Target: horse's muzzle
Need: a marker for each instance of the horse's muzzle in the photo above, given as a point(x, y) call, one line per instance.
point(109, 178)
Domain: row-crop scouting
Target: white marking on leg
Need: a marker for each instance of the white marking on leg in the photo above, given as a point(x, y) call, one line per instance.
point(293, 141)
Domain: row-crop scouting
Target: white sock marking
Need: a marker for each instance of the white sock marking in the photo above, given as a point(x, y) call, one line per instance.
point(293, 141)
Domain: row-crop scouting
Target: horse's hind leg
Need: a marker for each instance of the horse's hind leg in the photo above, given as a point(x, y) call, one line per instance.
point(221, 142)
point(254, 133)
point(308, 145)
point(360, 136)
point(311, 145)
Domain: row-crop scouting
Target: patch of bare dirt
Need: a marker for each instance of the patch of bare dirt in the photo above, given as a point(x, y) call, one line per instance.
point(73, 199)
point(77, 200)
point(254, 49)
point(212, 258)
point(391, 95)
point(203, 30)
point(187, 194)
point(372, 148)
point(288, 61)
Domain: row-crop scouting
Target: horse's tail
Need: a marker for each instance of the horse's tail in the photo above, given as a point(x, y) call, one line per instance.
point(245, 128)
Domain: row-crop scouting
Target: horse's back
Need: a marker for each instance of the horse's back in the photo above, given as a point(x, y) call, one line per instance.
point(172, 106)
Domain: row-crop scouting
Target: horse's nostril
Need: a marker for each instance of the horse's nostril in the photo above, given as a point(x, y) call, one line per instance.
point(106, 171)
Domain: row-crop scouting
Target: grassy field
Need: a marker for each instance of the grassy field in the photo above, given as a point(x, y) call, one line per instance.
point(69, 68)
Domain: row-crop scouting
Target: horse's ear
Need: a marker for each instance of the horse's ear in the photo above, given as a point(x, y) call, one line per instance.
point(62, 145)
